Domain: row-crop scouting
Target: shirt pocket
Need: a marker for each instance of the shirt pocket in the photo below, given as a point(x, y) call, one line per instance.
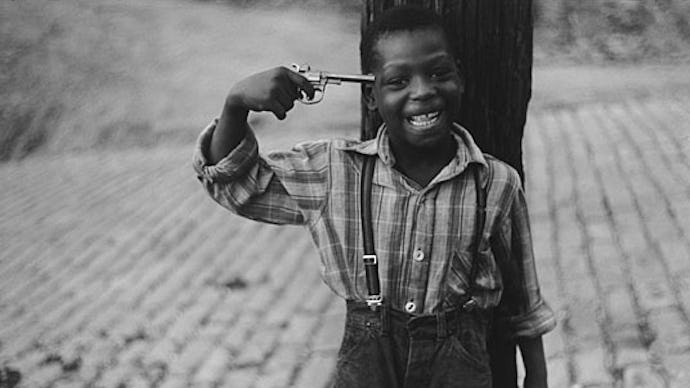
point(457, 279)
point(488, 275)
point(459, 272)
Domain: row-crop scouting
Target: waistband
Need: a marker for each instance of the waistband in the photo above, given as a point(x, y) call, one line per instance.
point(439, 325)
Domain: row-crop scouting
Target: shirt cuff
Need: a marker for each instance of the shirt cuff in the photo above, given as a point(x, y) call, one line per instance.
point(537, 322)
point(234, 164)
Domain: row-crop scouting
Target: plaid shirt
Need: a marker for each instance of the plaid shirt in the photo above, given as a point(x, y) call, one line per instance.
point(422, 235)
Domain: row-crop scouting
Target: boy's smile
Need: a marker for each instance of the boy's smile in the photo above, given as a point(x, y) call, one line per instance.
point(417, 89)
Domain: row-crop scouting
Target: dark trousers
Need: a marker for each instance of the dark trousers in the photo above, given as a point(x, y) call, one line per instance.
point(390, 348)
point(502, 352)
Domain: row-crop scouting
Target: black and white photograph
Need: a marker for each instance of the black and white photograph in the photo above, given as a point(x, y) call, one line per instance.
point(346, 194)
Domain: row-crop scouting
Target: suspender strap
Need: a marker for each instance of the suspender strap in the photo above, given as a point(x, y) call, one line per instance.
point(371, 267)
point(480, 220)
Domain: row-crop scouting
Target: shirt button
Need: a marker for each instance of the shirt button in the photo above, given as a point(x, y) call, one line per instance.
point(410, 307)
point(418, 255)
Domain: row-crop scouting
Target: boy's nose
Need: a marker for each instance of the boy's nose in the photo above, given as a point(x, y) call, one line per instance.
point(421, 88)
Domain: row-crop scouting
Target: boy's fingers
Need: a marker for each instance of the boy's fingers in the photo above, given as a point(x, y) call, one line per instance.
point(286, 99)
point(277, 108)
point(302, 84)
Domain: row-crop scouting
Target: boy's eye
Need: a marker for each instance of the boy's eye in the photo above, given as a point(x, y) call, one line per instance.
point(396, 81)
point(441, 72)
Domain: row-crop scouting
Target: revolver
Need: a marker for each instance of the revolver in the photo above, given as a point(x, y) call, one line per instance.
point(321, 78)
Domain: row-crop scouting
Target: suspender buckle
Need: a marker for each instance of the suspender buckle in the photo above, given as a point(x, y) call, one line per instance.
point(470, 305)
point(369, 260)
point(374, 301)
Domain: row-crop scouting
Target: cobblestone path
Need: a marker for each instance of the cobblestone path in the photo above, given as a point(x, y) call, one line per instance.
point(117, 271)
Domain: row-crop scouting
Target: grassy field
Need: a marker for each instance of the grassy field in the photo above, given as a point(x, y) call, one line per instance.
point(106, 74)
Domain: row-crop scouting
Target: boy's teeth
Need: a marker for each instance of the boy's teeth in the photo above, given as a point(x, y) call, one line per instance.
point(424, 119)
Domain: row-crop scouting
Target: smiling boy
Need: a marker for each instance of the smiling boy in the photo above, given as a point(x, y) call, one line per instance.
point(438, 286)
point(417, 90)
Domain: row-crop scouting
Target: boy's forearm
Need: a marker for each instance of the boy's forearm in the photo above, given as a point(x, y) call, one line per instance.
point(230, 130)
point(532, 350)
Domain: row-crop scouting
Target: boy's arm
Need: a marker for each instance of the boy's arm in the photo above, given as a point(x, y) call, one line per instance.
point(525, 315)
point(274, 90)
point(532, 350)
point(275, 188)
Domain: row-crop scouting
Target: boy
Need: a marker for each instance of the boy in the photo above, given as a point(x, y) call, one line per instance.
point(425, 334)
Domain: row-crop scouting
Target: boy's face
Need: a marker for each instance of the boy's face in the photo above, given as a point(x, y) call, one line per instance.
point(418, 87)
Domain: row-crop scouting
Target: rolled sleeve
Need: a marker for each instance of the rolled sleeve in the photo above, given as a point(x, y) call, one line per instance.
point(522, 311)
point(288, 187)
point(238, 161)
point(539, 321)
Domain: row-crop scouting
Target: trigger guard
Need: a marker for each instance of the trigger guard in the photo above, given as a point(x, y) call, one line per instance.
point(318, 96)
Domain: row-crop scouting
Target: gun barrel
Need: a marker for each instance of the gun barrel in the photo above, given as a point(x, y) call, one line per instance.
point(359, 78)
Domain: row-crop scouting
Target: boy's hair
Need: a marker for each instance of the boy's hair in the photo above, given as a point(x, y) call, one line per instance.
point(396, 19)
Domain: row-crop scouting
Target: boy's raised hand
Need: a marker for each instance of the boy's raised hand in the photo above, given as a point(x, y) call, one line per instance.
point(273, 90)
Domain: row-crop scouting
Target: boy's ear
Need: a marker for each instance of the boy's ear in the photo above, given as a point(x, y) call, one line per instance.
point(368, 96)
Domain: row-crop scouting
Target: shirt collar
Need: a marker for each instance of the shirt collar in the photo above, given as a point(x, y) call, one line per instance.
point(467, 152)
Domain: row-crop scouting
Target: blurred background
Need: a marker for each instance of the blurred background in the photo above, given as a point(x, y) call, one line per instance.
point(107, 74)
point(116, 270)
